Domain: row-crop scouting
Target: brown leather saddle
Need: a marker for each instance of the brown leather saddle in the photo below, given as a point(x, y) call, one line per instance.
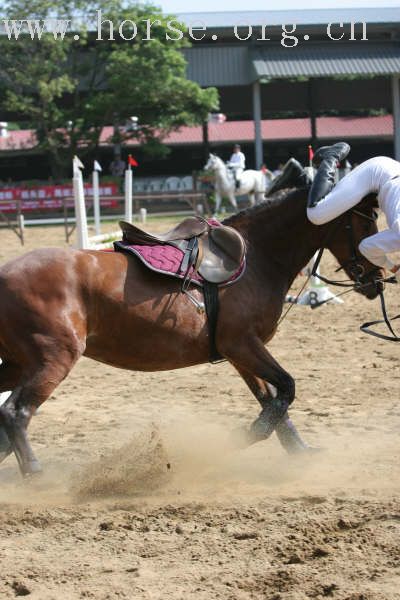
point(215, 252)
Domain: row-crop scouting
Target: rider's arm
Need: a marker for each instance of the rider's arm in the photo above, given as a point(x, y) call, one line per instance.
point(376, 247)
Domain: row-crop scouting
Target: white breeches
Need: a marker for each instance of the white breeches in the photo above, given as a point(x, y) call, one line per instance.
point(237, 171)
point(380, 175)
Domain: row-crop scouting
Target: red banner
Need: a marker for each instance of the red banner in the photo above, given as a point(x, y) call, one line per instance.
point(53, 197)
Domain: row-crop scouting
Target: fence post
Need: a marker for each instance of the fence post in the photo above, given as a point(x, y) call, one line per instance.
point(96, 197)
point(128, 195)
point(80, 208)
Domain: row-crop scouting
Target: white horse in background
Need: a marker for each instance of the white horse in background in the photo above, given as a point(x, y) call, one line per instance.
point(253, 183)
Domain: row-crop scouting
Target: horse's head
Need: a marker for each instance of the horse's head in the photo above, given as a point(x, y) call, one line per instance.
point(210, 166)
point(214, 163)
point(351, 228)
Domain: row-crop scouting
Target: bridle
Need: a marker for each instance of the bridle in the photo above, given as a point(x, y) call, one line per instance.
point(358, 274)
point(353, 264)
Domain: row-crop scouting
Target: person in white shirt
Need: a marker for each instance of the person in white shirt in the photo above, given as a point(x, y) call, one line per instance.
point(379, 175)
point(237, 163)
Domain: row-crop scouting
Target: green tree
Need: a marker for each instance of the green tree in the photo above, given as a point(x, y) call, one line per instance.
point(68, 89)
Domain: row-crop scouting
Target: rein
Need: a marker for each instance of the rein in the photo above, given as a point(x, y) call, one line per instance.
point(366, 327)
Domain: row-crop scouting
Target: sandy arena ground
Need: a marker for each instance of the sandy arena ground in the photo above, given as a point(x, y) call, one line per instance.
point(142, 498)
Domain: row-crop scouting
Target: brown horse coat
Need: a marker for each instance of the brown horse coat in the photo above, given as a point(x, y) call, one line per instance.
point(59, 304)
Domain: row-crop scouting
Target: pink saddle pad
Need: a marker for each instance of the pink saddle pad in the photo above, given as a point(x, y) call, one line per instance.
point(167, 260)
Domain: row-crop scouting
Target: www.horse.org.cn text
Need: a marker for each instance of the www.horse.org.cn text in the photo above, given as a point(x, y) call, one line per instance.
point(147, 30)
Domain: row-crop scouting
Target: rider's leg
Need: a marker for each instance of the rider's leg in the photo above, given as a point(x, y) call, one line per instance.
point(376, 247)
point(368, 177)
point(293, 175)
point(371, 176)
point(238, 174)
point(325, 178)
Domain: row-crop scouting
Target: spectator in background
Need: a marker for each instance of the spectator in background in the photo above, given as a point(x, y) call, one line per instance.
point(117, 166)
point(278, 171)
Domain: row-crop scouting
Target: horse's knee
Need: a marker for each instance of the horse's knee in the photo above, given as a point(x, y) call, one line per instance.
point(289, 389)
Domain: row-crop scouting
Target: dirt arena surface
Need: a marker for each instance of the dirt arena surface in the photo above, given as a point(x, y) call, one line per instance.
point(142, 496)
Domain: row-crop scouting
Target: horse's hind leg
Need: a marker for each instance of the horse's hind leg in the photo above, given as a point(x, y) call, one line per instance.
point(286, 431)
point(16, 412)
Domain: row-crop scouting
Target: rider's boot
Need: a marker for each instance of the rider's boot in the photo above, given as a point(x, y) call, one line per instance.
point(328, 158)
point(341, 148)
point(293, 175)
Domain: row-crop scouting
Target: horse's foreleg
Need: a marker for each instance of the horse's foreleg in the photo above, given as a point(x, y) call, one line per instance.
point(10, 376)
point(259, 197)
point(15, 415)
point(286, 431)
point(16, 412)
point(252, 357)
point(252, 199)
point(217, 201)
point(232, 200)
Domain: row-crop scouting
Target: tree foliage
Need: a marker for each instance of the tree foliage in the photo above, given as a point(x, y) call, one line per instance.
point(68, 90)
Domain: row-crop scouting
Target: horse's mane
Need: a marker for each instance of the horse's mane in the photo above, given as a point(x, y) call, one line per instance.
point(284, 202)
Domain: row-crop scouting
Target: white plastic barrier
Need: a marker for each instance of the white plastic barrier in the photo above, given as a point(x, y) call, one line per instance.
point(99, 241)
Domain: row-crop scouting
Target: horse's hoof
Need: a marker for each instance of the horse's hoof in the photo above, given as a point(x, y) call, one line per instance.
point(315, 450)
point(4, 454)
point(243, 437)
point(239, 438)
point(32, 468)
point(307, 451)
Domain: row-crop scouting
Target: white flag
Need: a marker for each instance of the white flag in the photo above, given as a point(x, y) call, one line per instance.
point(97, 166)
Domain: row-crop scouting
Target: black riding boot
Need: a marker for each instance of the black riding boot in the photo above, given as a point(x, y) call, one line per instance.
point(293, 175)
point(328, 158)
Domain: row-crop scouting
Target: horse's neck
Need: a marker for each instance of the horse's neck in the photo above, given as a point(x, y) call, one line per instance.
point(222, 174)
point(281, 236)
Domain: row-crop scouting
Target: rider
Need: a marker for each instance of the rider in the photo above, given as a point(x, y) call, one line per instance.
point(380, 175)
point(237, 163)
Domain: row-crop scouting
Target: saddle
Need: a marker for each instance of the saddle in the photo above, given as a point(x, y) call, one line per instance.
point(214, 251)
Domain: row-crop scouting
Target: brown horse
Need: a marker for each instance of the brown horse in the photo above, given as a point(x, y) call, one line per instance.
point(59, 304)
